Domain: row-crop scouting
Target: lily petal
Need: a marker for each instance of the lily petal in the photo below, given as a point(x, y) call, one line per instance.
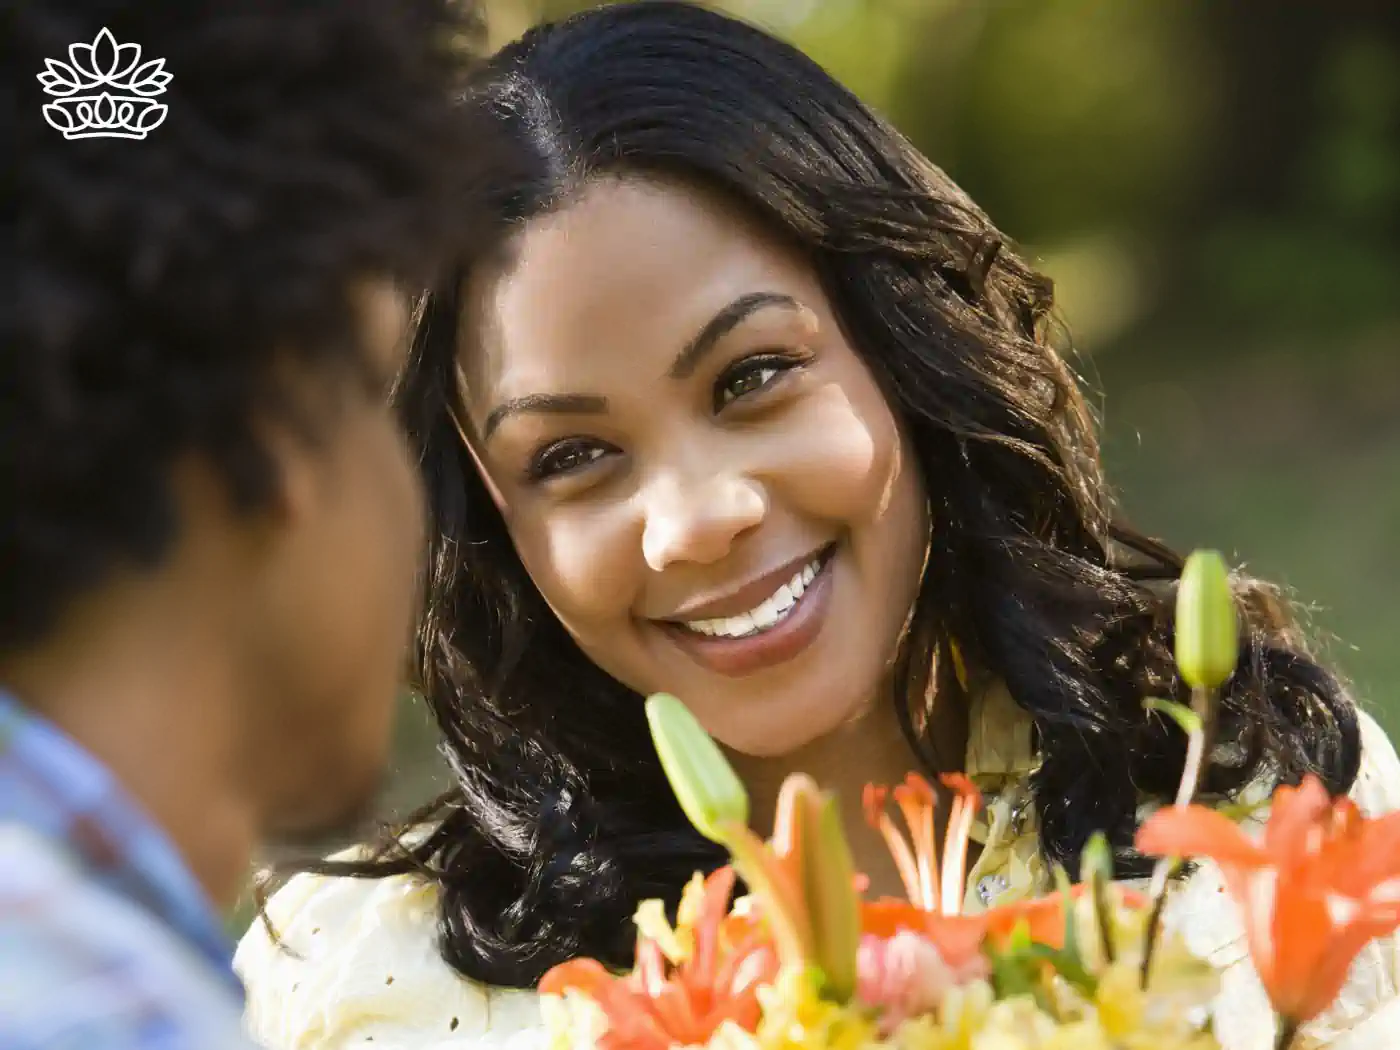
point(1197, 831)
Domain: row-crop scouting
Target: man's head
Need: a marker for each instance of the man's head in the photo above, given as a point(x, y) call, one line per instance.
point(201, 330)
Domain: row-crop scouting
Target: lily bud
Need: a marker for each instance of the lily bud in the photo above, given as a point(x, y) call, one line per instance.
point(1096, 870)
point(1207, 631)
point(829, 877)
point(705, 784)
point(1096, 859)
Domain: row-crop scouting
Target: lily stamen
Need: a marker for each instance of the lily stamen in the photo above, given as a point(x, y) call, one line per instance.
point(916, 801)
point(955, 842)
point(874, 801)
point(932, 887)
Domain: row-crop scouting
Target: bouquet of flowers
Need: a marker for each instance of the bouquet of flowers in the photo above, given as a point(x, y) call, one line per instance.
point(805, 961)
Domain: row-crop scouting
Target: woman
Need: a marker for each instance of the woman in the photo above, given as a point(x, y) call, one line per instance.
point(746, 401)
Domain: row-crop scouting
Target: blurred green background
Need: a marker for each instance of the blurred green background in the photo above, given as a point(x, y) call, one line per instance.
point(1215, 188)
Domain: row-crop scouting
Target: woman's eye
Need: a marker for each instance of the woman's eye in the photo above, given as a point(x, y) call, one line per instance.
point(749, 377)
point(564, 457)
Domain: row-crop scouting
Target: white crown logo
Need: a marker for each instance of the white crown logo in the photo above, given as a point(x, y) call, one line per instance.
point(106, 92)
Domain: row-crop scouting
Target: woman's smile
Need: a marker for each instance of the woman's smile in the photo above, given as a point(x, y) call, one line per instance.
point(779, 627)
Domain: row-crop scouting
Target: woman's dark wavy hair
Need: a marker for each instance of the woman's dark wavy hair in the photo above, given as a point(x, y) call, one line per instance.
point(561, 821)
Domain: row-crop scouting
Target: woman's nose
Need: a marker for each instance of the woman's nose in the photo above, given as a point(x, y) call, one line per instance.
point(699, 522)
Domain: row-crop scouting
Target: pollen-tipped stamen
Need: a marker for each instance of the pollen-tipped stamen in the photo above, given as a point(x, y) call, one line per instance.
point(877, 816)
point(917, 802)
point(966, 800)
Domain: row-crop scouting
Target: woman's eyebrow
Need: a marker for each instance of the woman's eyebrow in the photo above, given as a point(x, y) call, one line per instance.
point(721, 324)
point(685, 364)
point(544, 404)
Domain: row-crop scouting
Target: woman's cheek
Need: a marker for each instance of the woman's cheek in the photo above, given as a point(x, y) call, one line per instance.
point(833, 459)
point(581, 563)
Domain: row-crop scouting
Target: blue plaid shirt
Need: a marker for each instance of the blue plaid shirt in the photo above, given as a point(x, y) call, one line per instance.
point(107, 942)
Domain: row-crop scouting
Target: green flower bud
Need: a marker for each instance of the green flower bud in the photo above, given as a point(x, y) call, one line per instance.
point(829, 877)
point(1207, 632)
point(1096, 871)
point(705, 783)
point(1096, 859)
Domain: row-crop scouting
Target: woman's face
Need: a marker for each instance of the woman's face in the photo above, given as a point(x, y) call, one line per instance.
point(698, 471)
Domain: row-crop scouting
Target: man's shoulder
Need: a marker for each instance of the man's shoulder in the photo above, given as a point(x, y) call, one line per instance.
point(345, 961)
point(80, 966)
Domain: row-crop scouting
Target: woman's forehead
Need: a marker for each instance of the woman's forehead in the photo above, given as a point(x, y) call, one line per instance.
point(631, 269)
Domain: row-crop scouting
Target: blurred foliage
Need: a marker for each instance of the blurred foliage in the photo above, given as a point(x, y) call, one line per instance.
point(1215, 189)
point(1331, 256)
point(1239, 162)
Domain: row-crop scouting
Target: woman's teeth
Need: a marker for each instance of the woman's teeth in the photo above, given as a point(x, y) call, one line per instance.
point(772, 611)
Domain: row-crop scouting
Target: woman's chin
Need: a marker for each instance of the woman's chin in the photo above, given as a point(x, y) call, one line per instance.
point(780, 727)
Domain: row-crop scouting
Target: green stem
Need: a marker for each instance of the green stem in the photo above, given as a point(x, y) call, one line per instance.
point(1103, 917)
point(1197, 747)
point(1203, 703)
point(1166, 867)
point(1197, 750)
point(1287, 1033)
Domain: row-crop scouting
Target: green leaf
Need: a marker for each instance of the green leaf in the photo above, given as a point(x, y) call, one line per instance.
point(1240, 811)
point(705, 784)
point(1062, 885)
point(1012, 974)
point(1067, 966)
point(1188, 720)
point(1019, 940)
point(1069, 961)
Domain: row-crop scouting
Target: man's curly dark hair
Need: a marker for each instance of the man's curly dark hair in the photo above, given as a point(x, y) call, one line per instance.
point(149, 285)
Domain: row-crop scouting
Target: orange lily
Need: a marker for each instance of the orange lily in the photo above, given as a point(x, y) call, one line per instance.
point(1322, 884)
point(934, 907)
point(660, 1005)
point(803, 884)
point(802, 880)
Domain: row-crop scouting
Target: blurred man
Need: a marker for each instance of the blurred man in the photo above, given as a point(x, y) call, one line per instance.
point(209, 523)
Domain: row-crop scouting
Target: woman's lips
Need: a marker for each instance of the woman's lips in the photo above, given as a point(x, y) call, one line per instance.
point(783, 641)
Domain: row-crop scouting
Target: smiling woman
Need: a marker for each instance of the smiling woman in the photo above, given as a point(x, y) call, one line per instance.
point(685, 445)
point(747, 402)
